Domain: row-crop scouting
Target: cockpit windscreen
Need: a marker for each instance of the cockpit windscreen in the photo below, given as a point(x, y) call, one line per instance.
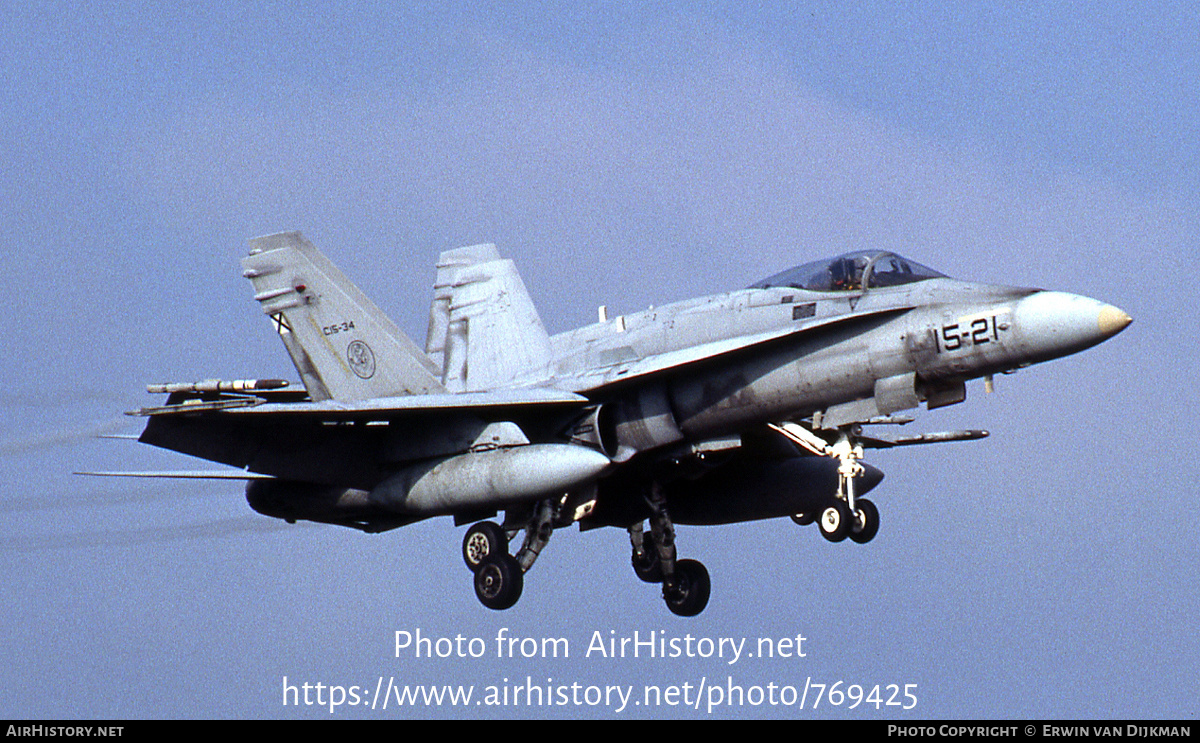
point(849, 271)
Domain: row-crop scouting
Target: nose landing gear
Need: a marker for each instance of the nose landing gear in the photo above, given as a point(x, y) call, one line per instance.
point(846, 516)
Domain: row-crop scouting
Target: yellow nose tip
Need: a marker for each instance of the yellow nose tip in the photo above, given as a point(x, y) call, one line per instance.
point(1113, 320)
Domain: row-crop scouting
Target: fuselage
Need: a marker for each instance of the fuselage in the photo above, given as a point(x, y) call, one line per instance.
point(846, 355)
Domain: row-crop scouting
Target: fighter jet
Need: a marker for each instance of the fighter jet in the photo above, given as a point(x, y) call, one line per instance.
point(751, 404)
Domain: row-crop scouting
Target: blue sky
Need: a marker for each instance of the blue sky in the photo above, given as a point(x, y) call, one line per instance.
point(626, 155)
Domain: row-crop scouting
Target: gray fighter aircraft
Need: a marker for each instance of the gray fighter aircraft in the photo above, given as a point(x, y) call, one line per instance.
point(739, 406)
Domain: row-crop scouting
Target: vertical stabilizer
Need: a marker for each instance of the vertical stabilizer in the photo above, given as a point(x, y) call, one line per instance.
point(483, 327)
point(343, 346)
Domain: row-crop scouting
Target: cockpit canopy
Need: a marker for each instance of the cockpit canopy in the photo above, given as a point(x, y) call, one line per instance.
point(851, 272)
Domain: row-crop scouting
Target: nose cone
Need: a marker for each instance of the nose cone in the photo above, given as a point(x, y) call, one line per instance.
point(1053, 324)
point(1113, 320)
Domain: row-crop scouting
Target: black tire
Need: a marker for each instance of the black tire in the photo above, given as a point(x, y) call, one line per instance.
point(498, 581)
point(481, 540)
point(648, 568)
point(864, 528)
point(804, 519)
point(835, 521)
point(692, 587)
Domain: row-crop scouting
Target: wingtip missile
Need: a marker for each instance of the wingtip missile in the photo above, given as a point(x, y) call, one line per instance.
point(217, 385)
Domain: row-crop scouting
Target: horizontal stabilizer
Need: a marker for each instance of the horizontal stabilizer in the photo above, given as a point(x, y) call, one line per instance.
point(186, 475)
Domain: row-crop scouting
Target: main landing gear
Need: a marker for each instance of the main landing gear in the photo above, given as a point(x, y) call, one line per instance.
point(500, 576)
point(685, 583)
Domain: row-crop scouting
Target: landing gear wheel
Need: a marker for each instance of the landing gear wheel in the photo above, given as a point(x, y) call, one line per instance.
point(648, 567)
point(835, 521)
point(804, 519)
point(689, 595)
point(865, 524)
point(498, 581)
point(483, 539)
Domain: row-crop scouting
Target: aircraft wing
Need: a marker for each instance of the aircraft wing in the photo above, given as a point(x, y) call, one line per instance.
point(351, 443)
point(382, 408)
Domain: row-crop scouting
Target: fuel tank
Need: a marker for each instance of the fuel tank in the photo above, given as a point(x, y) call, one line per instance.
point(488, 479)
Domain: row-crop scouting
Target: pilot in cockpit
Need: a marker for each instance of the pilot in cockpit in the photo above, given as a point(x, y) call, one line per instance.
point(846, 273)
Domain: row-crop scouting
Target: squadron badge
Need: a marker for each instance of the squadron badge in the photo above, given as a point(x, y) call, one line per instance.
point(361, 358)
